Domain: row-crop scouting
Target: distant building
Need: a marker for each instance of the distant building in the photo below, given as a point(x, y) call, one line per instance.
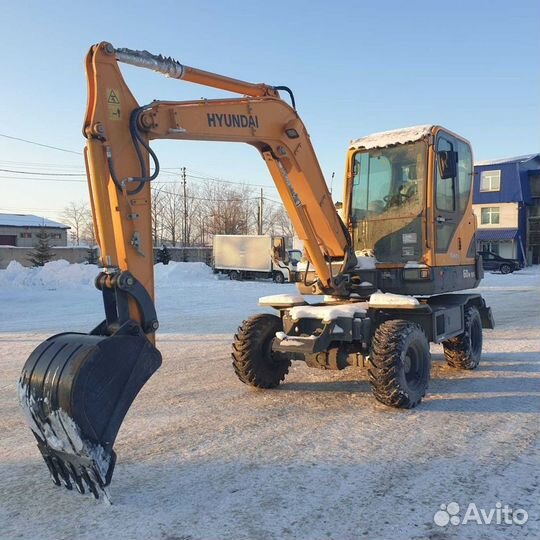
point(506, 201)
point(21, 230)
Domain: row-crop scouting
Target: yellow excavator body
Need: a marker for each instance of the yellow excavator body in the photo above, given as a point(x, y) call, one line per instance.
point(407, 204)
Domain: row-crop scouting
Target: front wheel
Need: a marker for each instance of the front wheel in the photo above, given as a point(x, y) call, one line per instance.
point(506, 269)
point(235, 275)
point(464, 351)
point(279, 277)
point(254, 361)
point(400, 364)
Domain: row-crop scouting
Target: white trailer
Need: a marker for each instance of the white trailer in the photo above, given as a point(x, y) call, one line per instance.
point(252, 257)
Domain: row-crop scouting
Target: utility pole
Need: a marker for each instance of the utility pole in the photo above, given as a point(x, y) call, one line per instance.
point(260, 216)
point(185, 205)
point(332, 183)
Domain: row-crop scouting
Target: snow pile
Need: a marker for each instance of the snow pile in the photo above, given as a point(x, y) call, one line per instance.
point(329, 312)
point(61, 273)
point(176, 273)
point(365, 262)
point(281, 300)
point(396, 136)
point(54, 275)
point(365, 259)
point(389, 299)
point(415, 264)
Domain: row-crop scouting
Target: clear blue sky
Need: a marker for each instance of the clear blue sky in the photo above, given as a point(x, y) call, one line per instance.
point(355, 68)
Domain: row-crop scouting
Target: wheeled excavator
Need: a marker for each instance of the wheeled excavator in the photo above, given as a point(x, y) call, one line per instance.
point(387, 272)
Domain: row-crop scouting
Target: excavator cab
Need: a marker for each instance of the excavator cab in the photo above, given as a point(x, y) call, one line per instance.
point(409, 203)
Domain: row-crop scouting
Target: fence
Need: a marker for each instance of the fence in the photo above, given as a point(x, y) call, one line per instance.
point(80, 254)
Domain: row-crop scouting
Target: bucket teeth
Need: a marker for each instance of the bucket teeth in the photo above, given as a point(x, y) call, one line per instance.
point(53, 470)
point(76, 471)
point(77, 479)
point(74, 391)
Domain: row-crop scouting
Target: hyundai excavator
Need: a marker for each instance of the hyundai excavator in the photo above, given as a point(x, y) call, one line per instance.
point(387, 272)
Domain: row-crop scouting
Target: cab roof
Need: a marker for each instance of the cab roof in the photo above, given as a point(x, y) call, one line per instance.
point(391, 138)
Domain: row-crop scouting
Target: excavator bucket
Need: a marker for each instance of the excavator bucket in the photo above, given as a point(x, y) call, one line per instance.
point(75, 390)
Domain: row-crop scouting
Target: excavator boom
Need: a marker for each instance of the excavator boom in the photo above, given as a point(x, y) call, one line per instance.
point(118, 132)
point(75, 389)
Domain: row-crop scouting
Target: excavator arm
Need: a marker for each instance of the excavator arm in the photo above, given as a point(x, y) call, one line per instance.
point(119, 131)
point(75, 389)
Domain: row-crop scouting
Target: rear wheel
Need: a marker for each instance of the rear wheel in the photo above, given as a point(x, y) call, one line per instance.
point(235, 275)
point(506, 269)
point(400, 363)
point(464, 351)
point(254, 361)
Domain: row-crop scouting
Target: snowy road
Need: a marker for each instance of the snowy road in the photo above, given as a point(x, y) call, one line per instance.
point(202, 456)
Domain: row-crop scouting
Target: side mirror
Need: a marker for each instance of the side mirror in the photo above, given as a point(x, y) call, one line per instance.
point(447, 163)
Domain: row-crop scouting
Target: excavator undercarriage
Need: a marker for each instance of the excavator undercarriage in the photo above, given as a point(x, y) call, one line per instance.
point(407, 202)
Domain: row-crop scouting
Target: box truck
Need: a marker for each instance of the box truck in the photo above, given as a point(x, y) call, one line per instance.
point(252, 257)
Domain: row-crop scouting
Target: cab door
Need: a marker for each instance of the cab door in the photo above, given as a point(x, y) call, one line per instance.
point(445, 204)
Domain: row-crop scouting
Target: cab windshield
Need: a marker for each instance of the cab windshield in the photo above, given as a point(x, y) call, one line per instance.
point(387, 201)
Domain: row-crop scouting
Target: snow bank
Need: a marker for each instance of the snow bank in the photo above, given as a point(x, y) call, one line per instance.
point(53, 275)
point(61, 273)
point(182, 272)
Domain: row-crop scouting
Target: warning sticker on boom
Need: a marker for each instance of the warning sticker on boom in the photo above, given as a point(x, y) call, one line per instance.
point(113, 104)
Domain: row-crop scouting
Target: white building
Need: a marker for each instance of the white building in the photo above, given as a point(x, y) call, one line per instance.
point(21, 230)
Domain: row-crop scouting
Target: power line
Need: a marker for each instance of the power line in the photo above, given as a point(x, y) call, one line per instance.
point(31, 209)
point(40, 173)
point(194, 197)
point(209, 199)
point(79, 175)
point(205, 177)
point(38, 165)
point(34, 179)
point(216, 179)
point(41, 144)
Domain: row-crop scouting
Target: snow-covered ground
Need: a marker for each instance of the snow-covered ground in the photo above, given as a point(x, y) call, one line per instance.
point(202, 456)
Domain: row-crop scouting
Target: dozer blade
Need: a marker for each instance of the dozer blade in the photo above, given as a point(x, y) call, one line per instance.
point(75, 390)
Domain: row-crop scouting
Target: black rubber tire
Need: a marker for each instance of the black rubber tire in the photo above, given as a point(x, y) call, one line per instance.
point(400, 363)
point(506, 269)
point(235, 275)
point(464, 351)
point(279, 277)
point(253, 360)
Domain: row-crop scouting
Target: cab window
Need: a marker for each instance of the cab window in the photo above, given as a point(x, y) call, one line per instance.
point(446, 187)
point(465, 174)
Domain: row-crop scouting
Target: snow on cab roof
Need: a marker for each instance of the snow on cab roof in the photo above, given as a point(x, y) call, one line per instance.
point(520, 159)
point(28, 220)
point(389, 138)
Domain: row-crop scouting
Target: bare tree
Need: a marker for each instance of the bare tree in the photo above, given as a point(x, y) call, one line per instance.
point(280, 222)
point(191, 216)
point(228, 209)
point(157, 213)
point(172, 212)
point(194, 209)
point(75, 214)
point(88, 235)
